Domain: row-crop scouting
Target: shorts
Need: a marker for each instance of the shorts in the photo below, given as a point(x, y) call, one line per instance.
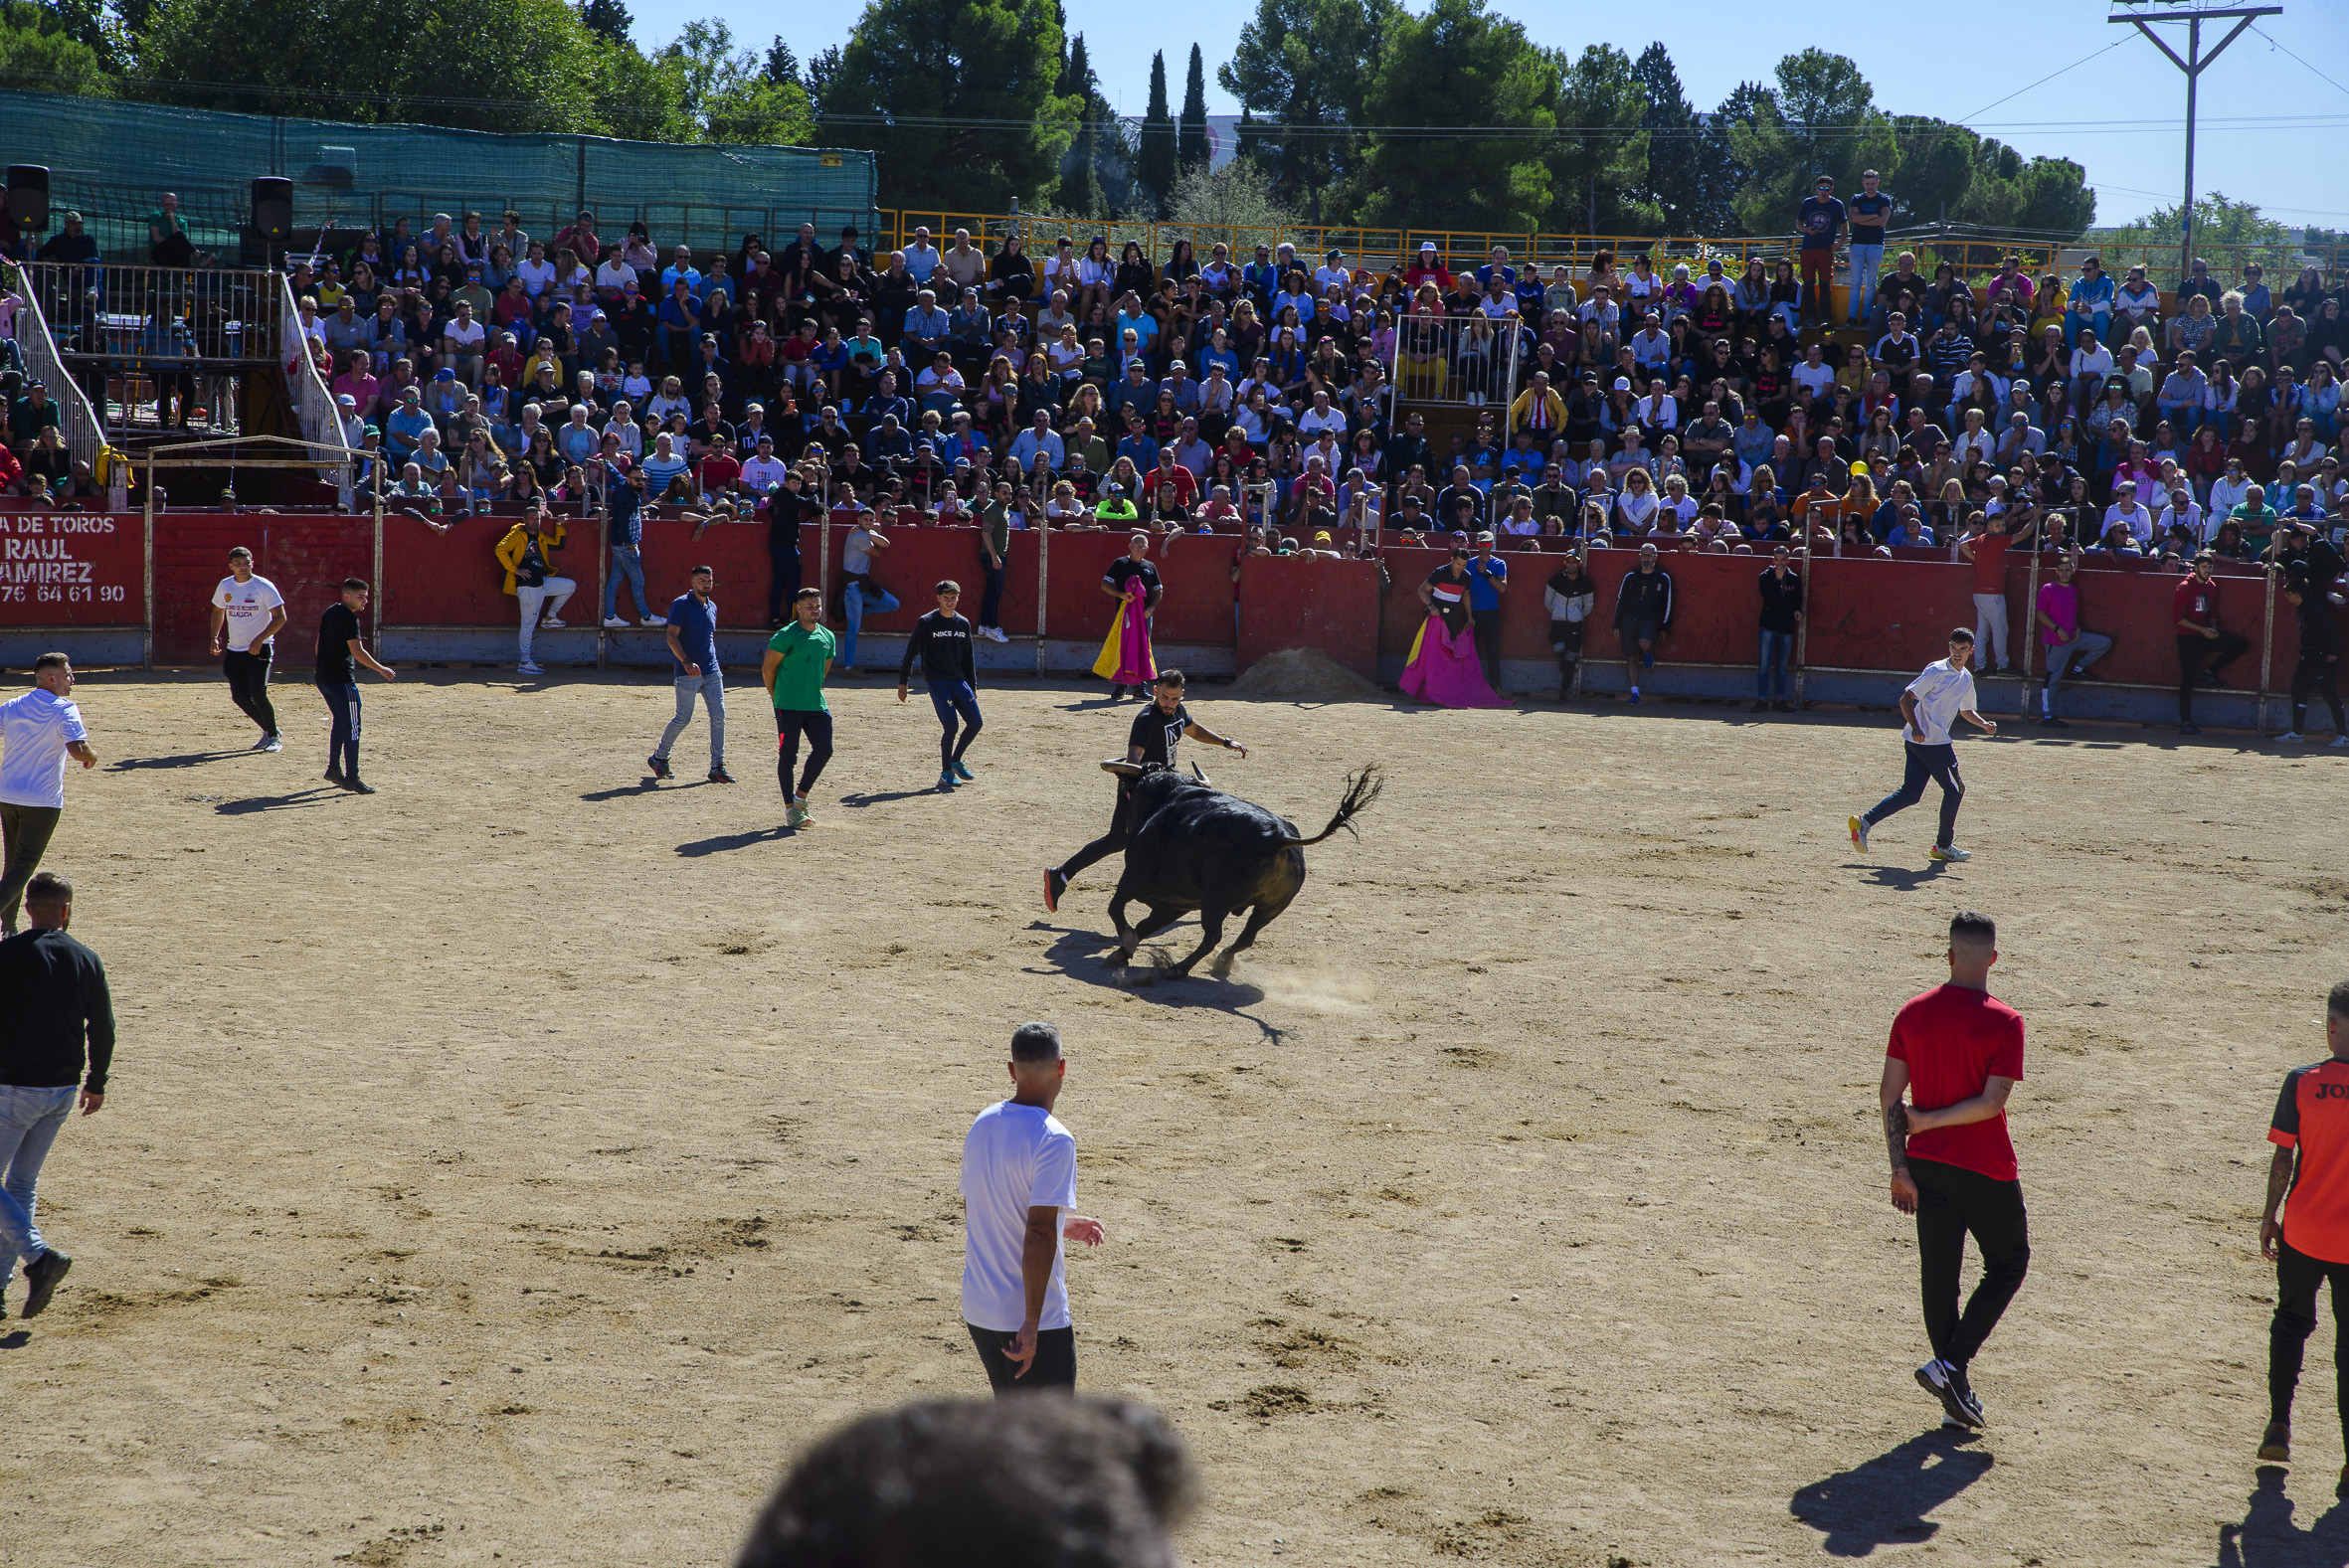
point(1635, 632)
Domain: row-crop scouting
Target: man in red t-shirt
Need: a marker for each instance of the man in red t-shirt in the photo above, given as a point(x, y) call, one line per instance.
point(2204, 648)
point(1956, 1053)
point(2310, 1243)
point(720, 472)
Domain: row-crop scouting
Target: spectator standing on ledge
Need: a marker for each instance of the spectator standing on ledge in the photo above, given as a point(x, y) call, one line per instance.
point(1987, 552)
point(1818, 224)
point(1019, 1192)
point(1570, 596)
point(2310, 1242)
point(1957, 1052)
point(341, 650)
point(526, 553)
point(248, 612)
point(38, 732)
point(2069, 643)
point(1781, 617)
point(1942, 694)
point(1642, 613)
point(693, 670)
point(2203, 647)
point(1869, 212)
point(59, 1024)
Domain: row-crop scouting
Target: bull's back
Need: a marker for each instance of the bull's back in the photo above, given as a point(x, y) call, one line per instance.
point(1220, 842)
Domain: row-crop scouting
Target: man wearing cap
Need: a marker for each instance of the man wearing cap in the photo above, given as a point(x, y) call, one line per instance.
point(1487, 580)
point(1818, 224)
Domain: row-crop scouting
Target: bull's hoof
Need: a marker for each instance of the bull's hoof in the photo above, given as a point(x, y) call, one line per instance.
point(1221, 968)
point(1146, 977)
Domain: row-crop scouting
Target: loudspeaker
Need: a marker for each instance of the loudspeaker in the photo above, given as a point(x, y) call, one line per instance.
point(272, 207)
point(28, 196)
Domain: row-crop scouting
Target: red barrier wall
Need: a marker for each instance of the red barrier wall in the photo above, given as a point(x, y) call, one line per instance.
point(453, 579)
point(307, 556)
point(737, 552)
point(72, 569)
point(1305, 601)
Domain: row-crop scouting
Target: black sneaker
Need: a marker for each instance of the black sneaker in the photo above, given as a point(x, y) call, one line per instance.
point(2189, 729)
point(660, 766)
point(1943, 1381)
point(358, 785)
point(332, 776)
point(720, 775)
point(1782, 705)
point(1054, 885)
point(1760, 707)
point(2054, 723)
point(42, 1273)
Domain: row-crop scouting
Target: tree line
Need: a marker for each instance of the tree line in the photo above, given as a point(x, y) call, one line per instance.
point(1354, 111)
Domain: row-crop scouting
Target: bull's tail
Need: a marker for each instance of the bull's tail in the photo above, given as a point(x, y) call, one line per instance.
point(1361, 788)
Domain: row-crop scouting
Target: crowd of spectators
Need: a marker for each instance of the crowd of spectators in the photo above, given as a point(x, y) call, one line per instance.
point(475, 363)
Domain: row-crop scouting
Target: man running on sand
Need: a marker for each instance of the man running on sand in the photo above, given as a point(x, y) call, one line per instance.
point(1937, 698)
point(942, 640)
point(798, 658)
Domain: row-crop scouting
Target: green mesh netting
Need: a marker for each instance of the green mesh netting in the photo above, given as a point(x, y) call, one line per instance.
point(110, 160)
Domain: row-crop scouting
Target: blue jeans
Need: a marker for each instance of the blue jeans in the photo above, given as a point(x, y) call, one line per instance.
point(953, 701)
point(2099, 323)
point(860, 596)
point(1776, 648)
point(627, 561)
point(30, 1119)
point(1867, 261)
point(1934, 764)
point(342, 745)
point(710, 687)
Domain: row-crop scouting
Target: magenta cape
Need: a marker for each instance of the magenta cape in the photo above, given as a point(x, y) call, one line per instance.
point(1444, 669)
point(1124, 653)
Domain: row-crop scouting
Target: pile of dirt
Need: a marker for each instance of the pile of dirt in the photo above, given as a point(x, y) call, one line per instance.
point(1303, 675)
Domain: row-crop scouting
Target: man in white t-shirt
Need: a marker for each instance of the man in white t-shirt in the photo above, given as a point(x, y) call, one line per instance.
point(1942, 694)
point(248, 612)
point(38, 732)
point(1020, 1191)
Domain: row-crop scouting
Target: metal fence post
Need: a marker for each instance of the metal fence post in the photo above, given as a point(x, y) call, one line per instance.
point(147, 642)
point(1802, 626)
point(1044, 581)
point(2267, 651)
point(2030, 627)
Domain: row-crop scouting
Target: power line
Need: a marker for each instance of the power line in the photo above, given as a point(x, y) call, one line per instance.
point(2044, 81)
point(2263, 32)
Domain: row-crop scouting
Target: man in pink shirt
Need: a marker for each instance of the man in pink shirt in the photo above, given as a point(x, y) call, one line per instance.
point(2069, 643)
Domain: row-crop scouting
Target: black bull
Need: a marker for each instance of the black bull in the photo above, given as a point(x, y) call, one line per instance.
point(1194, 847)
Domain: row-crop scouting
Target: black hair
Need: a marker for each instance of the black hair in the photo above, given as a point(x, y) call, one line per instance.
point(1053, 1483)
point(2336, 1002)
point(48, 888)
point(51, 661)
point(1036, 1042)
point(1169, 678)
point(1963, 634)
point(807, 593)
point(354, 585)
point(1972, 925)
point(947, 585)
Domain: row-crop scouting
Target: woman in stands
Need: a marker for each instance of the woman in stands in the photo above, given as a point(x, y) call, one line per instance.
point(1010, 275)
point(1096, 274)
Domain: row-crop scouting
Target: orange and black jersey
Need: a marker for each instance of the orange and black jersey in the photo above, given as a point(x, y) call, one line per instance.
point(2313, 1117)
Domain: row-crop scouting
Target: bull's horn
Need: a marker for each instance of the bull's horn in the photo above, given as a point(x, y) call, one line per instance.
point(1201, 776)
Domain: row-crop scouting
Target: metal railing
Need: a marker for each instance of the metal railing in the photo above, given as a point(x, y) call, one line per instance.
point(1468, 361)
point(134, 313)
point(36, 346)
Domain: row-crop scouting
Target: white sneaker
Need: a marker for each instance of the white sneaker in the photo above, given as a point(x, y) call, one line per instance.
point(2290, 737)
point(528, 668)
point(2340, 743)
point(1951, 852)
point(797, 817)
point(619, 622)
point(551, 624)
point(270, 742)
point(653, 621)
point(1860, 836)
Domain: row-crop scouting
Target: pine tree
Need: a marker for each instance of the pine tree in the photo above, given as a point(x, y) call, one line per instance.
point(1192, 150)
point(1154, 164)
point(1079, 193)
point(608, 19)
point(782, 65)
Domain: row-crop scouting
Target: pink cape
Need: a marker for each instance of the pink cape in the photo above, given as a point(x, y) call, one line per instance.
point(1444, 669)
point(1135, 665)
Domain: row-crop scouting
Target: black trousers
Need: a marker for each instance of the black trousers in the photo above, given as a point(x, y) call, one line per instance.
point(2199, 657)
point(1938, 765)
point(991, 602)
point(789, 725)
point(1565, 640)
point(2314, 673)
point(1121, 823)
point(25, 830)
point(783, 582)
point(1488, 643)
point(2297, 1277)
point(1951, 1203)
point(248, 686)
point(1055, 1365)
point(342, 741)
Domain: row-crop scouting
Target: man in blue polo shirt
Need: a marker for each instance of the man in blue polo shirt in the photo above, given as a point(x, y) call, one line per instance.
point(693, 666)
point(1487, 580)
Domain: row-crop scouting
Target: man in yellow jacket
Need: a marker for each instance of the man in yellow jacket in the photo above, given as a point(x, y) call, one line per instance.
point(1538, 407)
point(526, 553)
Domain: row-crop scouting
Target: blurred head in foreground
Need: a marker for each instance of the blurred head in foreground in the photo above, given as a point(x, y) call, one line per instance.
point(1045, 1480)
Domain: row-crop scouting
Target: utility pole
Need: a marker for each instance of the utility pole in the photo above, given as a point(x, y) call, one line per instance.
point(2193, 13)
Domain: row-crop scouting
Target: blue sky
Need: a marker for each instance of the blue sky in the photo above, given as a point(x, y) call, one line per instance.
point(2272, 130)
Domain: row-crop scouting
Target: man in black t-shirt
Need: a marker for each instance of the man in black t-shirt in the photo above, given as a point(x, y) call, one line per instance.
point(341, 650)
point(1157, 734)
point(788, 505)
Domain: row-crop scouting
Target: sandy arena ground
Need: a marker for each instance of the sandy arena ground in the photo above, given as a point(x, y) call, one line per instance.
point(523, 1164)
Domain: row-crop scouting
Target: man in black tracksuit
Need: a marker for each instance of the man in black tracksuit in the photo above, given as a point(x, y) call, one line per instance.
point(1156, 733)
point(2321, 652)
point(58, 1027)
point(942, 640)
point(1642, 613)
point(788, 506)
